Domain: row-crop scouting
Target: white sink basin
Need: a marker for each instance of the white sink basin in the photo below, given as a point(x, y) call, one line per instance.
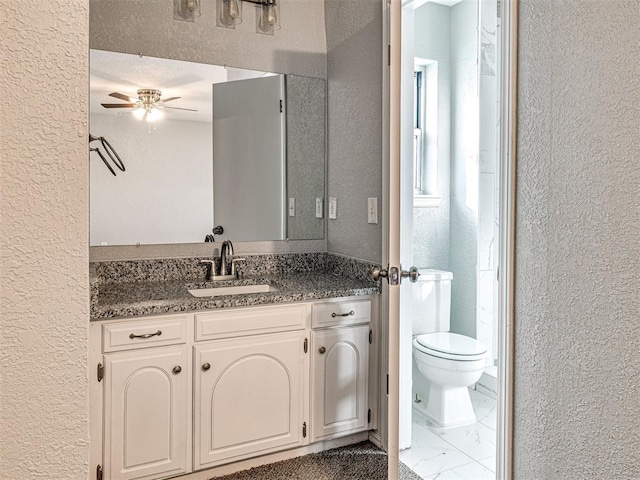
point(236, 290)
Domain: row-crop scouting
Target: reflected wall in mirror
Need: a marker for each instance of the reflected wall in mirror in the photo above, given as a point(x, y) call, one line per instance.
point(238, 148)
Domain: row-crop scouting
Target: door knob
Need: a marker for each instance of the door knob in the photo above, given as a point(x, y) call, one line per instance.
point(377, 273)
point(394, 275)
point(413, 274)
point(206, 367)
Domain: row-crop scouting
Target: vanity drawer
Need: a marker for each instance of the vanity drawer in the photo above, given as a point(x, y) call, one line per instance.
point(150, 332)
point(239, 322)
point(341, 313)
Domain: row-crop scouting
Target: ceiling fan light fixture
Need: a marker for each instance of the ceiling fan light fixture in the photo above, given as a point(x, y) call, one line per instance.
point(139, 112)
point(154, 114)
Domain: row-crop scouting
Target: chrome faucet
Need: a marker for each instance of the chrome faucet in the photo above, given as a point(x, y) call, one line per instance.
point(225, 251)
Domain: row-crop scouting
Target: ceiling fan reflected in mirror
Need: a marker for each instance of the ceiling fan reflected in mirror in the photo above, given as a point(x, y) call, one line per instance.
point(147, 106)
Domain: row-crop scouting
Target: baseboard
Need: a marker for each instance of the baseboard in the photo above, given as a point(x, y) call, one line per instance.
point(488, 383)
point(376, 439)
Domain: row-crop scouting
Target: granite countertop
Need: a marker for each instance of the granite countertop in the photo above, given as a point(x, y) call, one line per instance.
point(128, 299)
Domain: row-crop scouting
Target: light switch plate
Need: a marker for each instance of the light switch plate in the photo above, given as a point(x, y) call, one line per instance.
point(333, 208)
point(372, 210)
point(319, 207)
point(292, 207)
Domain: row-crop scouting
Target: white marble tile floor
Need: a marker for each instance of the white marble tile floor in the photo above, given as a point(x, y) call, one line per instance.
point(462, 453)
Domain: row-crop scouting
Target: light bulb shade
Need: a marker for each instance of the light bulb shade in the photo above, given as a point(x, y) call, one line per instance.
point(186, 10)
point(268, 17)
point(139, 112)
point(228, 13)
point(154, 114)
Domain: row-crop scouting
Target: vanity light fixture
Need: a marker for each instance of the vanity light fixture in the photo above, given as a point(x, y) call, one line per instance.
point(186, 10)
point(229, 14)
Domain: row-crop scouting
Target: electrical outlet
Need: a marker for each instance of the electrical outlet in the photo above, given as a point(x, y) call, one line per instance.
point(319, 207)
point(333, 208)
point(372, 210)
point(292, 207)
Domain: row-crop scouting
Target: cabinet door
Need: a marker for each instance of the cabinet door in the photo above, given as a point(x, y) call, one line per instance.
point(146, 413)
point(339, 381)
point(248, 397)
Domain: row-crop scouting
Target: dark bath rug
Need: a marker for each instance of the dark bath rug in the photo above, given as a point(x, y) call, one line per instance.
point(362, 461)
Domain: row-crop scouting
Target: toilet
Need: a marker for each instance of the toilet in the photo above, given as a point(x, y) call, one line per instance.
point(447, 363)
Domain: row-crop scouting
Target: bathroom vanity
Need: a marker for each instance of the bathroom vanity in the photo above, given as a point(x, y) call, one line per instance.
point(220, 379)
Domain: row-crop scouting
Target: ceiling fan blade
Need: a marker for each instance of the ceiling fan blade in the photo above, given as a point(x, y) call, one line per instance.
point(186, 109)
point(165, 100)
point(118, 105)
point(121, 96)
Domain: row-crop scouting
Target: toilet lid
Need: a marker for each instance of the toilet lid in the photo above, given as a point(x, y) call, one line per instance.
point(451, 344)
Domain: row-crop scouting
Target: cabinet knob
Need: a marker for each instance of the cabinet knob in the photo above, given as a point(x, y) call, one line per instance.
point(205, 367)
point(177, 369)
point(322, 350)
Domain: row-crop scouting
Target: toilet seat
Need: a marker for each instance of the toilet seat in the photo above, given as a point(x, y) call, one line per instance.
point(450, 346)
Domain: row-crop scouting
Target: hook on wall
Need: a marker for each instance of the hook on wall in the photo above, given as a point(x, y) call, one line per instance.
point(110, 151)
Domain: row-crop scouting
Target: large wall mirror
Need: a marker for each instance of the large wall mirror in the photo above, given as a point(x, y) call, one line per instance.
point(203, 146)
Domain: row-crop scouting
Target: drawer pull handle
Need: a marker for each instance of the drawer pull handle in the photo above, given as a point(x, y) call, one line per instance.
point(322, 350)
point(177, 369)
point(146, 335)
point(350, 314)
point(206, 367)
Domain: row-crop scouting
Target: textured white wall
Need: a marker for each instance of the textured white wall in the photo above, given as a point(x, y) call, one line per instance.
point(431, 224)
point(44, 299)
point(464, 166)
point(354, 59)
point(578, 241)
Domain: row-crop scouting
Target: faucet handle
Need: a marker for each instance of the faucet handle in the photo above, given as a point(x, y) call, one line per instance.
point(233, 265)
point(212, 272)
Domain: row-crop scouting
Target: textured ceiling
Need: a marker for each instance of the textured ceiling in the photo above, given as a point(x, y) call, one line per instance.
point(125, 73)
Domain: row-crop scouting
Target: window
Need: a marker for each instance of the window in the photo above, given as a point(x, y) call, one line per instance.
point(425, 151)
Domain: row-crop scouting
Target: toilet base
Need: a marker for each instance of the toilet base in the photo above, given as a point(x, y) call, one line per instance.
point(449, 407)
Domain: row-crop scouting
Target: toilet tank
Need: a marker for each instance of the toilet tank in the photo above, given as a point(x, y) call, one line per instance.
point(431, 302)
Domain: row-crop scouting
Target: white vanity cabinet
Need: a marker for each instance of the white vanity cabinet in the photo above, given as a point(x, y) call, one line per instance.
point(146, 414)
point(145, 371)
point(249, 397)
point(179, 393)
point(340, 369)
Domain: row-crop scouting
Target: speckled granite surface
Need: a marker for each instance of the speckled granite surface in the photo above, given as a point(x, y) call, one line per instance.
point(193, 268)
point(125, 289)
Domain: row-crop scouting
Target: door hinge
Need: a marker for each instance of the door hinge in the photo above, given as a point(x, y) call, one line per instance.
point(389, 54)
point(99, 472)
point(370, 336)
point(100, 372)
point(280, 106)
point(369, 416)
point(306, 345)
point(304, 430)
point(387, 384)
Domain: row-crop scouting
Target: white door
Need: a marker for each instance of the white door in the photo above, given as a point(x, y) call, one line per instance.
point(146, 413)
point(249, 397)
point(340, 376)
point(395, 34)
point(249, 158)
